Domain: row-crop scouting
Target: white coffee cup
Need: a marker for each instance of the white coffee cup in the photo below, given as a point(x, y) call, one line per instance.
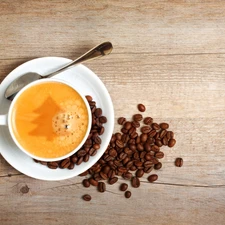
point(7, 121)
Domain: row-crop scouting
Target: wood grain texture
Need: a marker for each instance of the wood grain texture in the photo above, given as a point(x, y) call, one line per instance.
point(169, 55)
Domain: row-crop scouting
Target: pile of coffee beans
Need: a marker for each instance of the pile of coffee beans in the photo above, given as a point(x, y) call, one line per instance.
point(90, 147)
point(131, 153)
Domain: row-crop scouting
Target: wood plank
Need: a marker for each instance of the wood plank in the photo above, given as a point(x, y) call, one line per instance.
point(169, 55)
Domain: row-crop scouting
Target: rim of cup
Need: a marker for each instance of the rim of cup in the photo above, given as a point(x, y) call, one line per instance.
point(9, 120)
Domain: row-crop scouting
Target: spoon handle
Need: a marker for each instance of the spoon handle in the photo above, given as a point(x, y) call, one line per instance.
point(100, 50)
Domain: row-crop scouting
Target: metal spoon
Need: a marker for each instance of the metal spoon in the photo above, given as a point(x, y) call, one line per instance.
point(100, 50)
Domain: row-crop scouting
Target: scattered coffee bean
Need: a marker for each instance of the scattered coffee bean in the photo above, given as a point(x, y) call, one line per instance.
point(123, 187)
point(93, 182)
point(140, 173)
point(135, 182)
point(137, 117)
point(86, 183)
point(171, 143)
point(141, 107)
point(179, 162)
point(148, 121)
point(113, 180)
point(127, 194)
point(121, 120)
point(101, 187)
point(87, 197)
point(164, 126)
point(152, 178)
point(158, 166)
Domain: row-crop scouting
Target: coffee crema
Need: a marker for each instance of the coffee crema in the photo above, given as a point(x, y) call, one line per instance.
point(49, 119)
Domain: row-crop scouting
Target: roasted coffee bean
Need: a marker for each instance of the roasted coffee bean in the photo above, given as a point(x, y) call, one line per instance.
point(123, 187)
point(139, 173)
point(92, 103)
point(148, 120)
point(127, 194)
point(152, 178)
point(155, 126)
point(158, 143)
point(111, 174)
point(118, 136)
point(158, 166)
point(65, 163)
point(145, 129)
point(134, 135)
point(96, 146)
point(81, 153)
point(98, 112)
point(179, 162)
point(152, 133)
point(119, 143)
point(127, 125)
point(129, 164)
point(141, 107)
point(97, 140)
point(52, 165)
point(101, 130)
point(159, 155)
point(133, 168)
point(131, 130)
point(83, 174)
point(148, 169)
point(165, 141)
point(127, 176)
point(148, 156)
point(143, 137)
point(71, 166)
point(102, 119)
point(113, 152)
point(135, 182)
point(155, 148)
point(125, 138)
point(92, 151)
point(162, 133)
point(142, 155)
point(170, 135)
point(121, 120)
point(103, 176)
point(135, 124)
point(97, 177)
point(86, 183)
point(124, 131)
point(147, 147)
point(87, 197)
point(171, 143)
point(101, 187)
point(138, 163)
point(140, 147)
point(148, 163)
point(89, 98)
point(106, 169)
point(137, 117)
point(93, 182)
point(113, 180)
point(164, 126)
point(122, 169)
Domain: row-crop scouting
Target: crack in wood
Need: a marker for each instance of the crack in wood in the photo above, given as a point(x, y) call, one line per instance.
point(11, 175)
point(189, 185)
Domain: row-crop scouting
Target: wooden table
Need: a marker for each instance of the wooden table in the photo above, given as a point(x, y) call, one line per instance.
point(169, 55)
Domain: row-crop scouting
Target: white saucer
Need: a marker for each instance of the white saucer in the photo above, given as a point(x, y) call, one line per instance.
point(87, 83)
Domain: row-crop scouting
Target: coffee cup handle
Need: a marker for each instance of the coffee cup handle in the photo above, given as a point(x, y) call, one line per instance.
point(3, 119)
